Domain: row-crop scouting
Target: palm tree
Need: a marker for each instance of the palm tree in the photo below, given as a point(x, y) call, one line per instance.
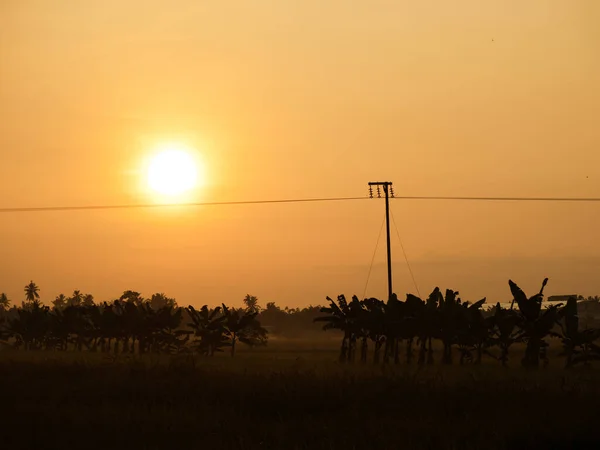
point(87, 300)
point(60, 302)
point(32, 294)
point(251, 303)
point(75, 299)
point(4, 302)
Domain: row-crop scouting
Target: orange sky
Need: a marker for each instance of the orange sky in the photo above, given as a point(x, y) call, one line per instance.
point(299, 99)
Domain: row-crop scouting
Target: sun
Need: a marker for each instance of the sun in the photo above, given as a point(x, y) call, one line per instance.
point(173, 171)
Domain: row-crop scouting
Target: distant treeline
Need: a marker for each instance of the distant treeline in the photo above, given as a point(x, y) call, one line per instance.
point(133, 323)
point(396, 330)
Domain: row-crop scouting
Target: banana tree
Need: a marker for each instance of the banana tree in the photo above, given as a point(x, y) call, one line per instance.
point(340, 317)
point(30, 327)
point(209, 329)
point(409, 317)
point(167, 336)
point(4, 334)
point(504, 331)
point(536, 325)
point(578, 345)
point(450, 310)
point(472, 332)
point(242, 326)
point(428, 326)
point(372, 324)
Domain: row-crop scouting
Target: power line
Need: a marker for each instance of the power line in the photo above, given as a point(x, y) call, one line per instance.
point(405, 256)
point(504, 199)
point(373, 258)
point(296, 200)
point(174, 205)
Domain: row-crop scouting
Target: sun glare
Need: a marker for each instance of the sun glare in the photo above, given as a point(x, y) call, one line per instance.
point(173, 171)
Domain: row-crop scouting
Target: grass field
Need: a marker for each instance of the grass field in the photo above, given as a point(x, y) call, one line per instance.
point(289, 395)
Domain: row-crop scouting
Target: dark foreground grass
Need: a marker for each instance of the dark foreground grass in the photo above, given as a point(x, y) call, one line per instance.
point(89, 402)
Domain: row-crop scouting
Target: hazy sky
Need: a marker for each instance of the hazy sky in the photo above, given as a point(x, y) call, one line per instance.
point(301, 98)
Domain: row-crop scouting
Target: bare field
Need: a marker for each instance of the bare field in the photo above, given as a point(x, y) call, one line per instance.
point(289, 395)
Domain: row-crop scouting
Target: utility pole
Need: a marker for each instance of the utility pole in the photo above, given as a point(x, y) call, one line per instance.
point(388, 190)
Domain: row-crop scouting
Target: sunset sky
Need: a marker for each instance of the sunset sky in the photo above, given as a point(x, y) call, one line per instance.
point(295, 99)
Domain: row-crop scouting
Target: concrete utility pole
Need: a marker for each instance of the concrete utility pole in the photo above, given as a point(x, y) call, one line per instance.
point(388, 190)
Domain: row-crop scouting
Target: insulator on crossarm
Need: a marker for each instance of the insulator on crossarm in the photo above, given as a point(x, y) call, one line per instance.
point(392, 191)
point(370, 191)
point(378, 192)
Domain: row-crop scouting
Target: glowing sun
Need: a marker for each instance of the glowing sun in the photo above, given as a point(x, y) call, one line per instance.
point(173, 171)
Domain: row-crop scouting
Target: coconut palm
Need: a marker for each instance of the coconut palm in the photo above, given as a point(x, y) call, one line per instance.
point(4, 302)
point(75, 299)
point(251, 303)
point(87, 300)
point(60, 302)
point(32, 293)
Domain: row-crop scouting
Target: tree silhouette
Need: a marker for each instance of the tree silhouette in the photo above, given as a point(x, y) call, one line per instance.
point(60, 302)
point(342, 316)
point(160, 300)
point(209, 329)
point(251, 303)
point(32, 294)
point(87, 300)
point(579, 345)
point(76, 299)
point(134, 325)
point(535, 324)
point(242, 326)
point(4, 302)
point(132, 297)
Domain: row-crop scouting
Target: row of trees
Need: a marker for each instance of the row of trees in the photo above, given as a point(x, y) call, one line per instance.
point(32, 294)
point(127, 325)
point(458, 325)
point(284, 322)
point(394, 330)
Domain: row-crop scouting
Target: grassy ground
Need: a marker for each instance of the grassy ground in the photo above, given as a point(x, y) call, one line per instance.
point(288, 396)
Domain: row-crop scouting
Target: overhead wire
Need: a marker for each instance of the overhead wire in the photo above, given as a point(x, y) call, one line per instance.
point(501, 199)
point(173, 205)
point(280, 201)
point(373, 258)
